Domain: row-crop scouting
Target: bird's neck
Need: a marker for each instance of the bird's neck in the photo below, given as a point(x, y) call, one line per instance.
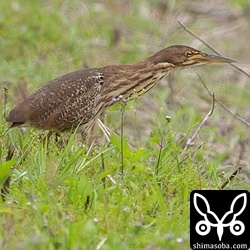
point(135, 79)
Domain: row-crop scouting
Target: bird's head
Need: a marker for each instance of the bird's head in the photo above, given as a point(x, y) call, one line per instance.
point(180, 56)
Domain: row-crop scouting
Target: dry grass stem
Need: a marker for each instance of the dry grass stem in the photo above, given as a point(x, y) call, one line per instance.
point(223, 106)
point(234, 174)
point(238, 169)
point(190, 141)
point(103, 169)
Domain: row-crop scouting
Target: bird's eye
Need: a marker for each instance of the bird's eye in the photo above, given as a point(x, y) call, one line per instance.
point(188, 53)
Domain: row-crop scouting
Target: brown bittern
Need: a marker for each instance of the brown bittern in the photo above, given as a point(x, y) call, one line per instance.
point(77, 99)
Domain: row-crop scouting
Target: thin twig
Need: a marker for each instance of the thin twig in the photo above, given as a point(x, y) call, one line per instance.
point(159, 156)
point(210, 47)
point(222, 105)
point(191, 140)
point(122, 138)
point(122, 102)
point(234, 174)
point(237, 170)
point(103, 169)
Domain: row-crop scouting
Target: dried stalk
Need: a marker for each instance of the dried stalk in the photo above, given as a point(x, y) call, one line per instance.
point(223, 106)
point(191, 140)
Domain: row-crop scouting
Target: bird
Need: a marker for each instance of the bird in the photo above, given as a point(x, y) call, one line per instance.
point(76, 100)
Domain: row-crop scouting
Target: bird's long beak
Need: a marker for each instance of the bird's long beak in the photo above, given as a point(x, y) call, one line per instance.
point(203, 57)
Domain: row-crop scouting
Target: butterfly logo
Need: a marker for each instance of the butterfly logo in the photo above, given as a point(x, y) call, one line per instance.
point(203, 227)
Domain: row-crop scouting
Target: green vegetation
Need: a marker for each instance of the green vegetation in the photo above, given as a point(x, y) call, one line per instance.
point(103, 195)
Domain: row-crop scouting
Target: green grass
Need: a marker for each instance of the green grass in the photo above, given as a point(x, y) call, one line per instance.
point(63, 198)
point(131, 193)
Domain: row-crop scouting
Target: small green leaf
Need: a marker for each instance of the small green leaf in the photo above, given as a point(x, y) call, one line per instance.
point(142, 155)
point(115, 140)
point(5, 169)
point(106, 173)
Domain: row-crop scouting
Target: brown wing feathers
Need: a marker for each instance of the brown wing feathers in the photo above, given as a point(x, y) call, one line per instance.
point(61, 104)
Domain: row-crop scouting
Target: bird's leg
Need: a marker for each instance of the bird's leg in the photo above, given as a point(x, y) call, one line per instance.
point(106, 131)
point(60, 142)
